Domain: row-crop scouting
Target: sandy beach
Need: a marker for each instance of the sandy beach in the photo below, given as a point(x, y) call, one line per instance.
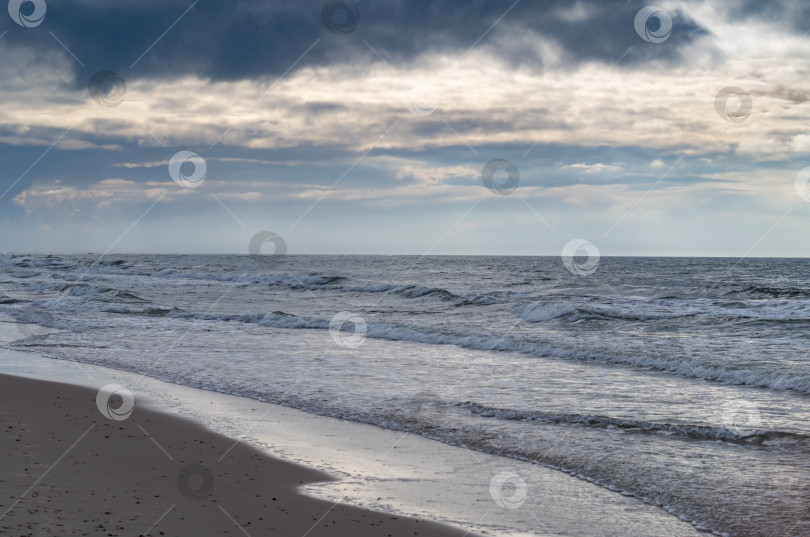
point(340, 267)
point(69, 470)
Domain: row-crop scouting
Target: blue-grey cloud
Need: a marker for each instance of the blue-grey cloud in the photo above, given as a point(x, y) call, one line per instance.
point(253, 38)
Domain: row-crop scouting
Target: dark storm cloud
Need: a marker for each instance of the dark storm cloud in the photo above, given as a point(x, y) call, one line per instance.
point(790, 15)
point(241, 39)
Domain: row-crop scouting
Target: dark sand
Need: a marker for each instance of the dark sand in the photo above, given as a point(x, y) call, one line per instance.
point(69, 470)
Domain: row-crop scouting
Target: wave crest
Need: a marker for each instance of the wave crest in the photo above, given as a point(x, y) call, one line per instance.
point(685, 430)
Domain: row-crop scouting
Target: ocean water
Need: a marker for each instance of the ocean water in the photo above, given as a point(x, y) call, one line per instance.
point(682, 382)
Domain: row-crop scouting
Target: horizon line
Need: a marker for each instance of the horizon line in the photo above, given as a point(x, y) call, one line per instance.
point(100, 255)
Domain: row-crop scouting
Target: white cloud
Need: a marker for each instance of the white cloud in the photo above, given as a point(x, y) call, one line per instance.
point(101, 195)
point(800, 143)
point(147, 164)
point(577, 12)
point(425, 173)
point(757, 142)
point(594, 168)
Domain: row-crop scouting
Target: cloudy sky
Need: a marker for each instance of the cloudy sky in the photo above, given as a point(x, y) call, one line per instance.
point(449, 127)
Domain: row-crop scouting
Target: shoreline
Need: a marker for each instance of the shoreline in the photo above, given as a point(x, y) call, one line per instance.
point(399, 474)
point(69, 468)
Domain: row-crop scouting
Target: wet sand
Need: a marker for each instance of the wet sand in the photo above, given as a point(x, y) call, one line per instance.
point(70, 470)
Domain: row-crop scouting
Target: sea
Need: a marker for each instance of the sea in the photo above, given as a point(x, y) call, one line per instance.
point(683, 382)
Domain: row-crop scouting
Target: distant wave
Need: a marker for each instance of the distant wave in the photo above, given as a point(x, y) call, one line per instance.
point(24, 275)
point(679, 365)
point(314, 282)
point(538, 312)
point(408, 291)
point(764, 291)
point(306, 282)
point(104, 293)
point(685, 430)
point(486, 299)
point(88, 292)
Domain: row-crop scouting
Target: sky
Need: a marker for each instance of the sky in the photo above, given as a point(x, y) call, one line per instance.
point(479, 127)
